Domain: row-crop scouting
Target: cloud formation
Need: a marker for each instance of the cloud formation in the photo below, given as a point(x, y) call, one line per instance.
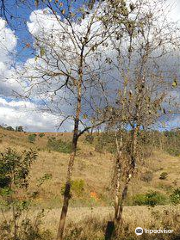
point(20, 112)
point(15, 112)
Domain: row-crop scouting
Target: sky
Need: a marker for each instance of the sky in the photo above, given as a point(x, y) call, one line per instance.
point(15, 49)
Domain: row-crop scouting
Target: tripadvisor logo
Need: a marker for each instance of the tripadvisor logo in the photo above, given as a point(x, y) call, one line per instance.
point(139, 231)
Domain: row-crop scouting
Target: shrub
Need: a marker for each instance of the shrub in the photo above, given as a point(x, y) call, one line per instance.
point(163, 176)
point(147, 176)
point(175, 196)
point(41, 135)
point(32, 138)
point(9, 128)
point(14, 168)
point(139, 199)
point(77, 187)
point(19, 129)
point(151, 199)
point(59, 145)
point(89, 138)
point(14, 193)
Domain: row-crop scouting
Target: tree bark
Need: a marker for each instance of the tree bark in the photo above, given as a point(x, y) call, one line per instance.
point(118, 175)
point(122, 197)
point(67, 196)
point(67, 192)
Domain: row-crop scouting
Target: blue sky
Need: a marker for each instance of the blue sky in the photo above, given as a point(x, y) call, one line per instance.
point(14, 111)
point(18, 22)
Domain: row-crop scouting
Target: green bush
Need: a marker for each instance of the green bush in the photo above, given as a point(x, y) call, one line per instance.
point(41, 135)
point(32, 138)
point(9, 128)
point(163, 176)
point(59, 145)
point(15, 198)
point(175, 196)
point(77, 187)
point(151, 199)
point(19, 129)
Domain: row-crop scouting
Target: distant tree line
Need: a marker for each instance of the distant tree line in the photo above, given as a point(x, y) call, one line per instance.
point(167, 141)
point(10, 128)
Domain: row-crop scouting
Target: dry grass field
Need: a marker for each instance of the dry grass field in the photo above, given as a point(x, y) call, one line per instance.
point(90, 223)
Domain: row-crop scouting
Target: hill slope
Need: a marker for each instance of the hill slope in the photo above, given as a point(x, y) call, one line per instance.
point(92, 170)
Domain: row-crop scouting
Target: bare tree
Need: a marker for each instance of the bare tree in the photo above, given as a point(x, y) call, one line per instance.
point(145, 41)
point(67, 73)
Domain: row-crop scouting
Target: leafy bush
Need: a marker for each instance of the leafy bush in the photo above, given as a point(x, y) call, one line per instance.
point(139, 199)
point(41, 135)
point(147, 176)
point(77, 187)
point(163, 176)
point(9, 128)
point(59, 145)
point(14, 193)
point(14, 168)
point(151, 199)
point(32, 138)
point(175, 197)
point(19, 129)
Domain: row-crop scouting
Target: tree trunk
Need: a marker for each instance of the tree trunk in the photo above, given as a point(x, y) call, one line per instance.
point(67, 192)
point(122, 197)
point(67, 196)
point(121, 200)
point(118, 175)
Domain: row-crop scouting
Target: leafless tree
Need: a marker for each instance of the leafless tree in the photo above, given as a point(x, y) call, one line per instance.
point(145, 42)
point(67, 73)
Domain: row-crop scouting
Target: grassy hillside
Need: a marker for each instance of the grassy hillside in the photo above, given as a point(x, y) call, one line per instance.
point(156, 178)
point(92, 171)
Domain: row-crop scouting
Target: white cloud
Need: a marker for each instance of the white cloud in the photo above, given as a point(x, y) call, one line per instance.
point(175, 9)
point(60, 41)
point(41, 24)
point(8, 43)
point(26, 114)
point(19, 112)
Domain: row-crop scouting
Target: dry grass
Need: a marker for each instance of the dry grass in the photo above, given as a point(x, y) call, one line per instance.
point(90, 223)
point(132, 216)
point(95, 169)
